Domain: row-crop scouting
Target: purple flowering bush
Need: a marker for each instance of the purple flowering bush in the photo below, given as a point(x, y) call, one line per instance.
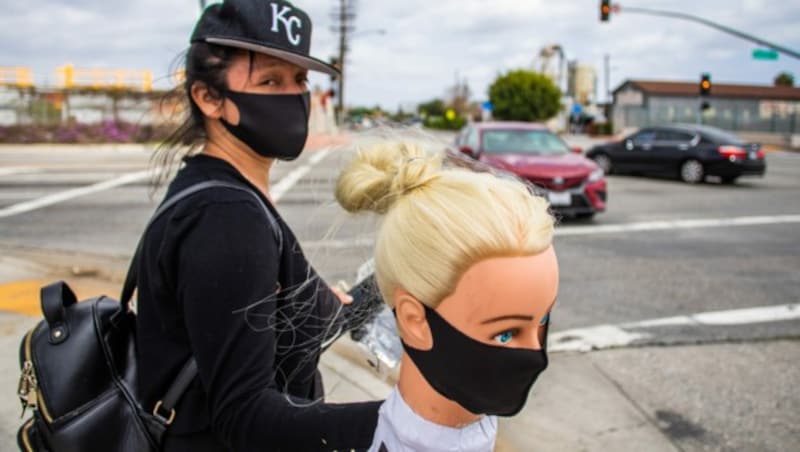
point(104, 132)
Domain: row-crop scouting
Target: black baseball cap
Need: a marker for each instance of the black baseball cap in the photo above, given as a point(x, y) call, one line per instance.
point(273, 27)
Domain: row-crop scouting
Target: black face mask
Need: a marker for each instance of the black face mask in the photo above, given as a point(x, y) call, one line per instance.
point(273, 125)
point(484, 379)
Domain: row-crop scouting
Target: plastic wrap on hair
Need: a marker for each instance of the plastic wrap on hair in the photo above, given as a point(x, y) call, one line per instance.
point(373, 324)
point(381, 342)
point(367, 304)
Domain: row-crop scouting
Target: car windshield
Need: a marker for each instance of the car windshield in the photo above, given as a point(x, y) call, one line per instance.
point(523, 141)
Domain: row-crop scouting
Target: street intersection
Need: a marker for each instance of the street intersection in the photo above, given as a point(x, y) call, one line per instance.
point(680, 300)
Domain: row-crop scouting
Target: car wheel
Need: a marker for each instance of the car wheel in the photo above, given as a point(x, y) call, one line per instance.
point(729, 180)
point(604, 162)
point(692, 172)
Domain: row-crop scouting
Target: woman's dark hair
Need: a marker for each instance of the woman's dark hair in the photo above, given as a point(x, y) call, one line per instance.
point(205, 63)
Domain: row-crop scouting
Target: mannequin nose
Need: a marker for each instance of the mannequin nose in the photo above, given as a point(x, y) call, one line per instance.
point(531, 340)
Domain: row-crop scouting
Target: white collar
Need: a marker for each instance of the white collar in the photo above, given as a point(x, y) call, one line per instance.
point(409, 431)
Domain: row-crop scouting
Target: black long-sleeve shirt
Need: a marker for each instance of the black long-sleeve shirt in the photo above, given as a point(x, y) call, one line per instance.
point(213, 285)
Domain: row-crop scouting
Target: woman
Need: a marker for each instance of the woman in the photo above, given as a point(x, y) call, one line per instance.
point(467, 264)
point(214, 283)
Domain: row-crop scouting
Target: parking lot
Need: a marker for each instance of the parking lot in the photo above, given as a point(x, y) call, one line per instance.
point(688, 295)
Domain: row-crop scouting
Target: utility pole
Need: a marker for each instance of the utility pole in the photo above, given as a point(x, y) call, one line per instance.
point(202, 5)
point(607, 71)
point(344, 18)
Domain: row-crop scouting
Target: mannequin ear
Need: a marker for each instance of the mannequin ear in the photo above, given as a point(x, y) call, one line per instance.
point(209, 103)
point(411, 321)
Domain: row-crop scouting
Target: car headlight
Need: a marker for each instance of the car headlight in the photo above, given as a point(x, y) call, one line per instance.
point(596, 175)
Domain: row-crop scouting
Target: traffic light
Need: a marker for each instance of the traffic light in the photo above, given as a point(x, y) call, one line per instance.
point(705, 85)
point(605, 10)
point(334, 61)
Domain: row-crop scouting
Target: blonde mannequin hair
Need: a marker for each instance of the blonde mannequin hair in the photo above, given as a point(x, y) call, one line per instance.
point(438, 221)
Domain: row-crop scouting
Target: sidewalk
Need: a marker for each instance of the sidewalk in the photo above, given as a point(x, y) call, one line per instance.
point(575, 406)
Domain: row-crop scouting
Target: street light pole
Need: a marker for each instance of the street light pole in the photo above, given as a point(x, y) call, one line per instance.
point(706, 22)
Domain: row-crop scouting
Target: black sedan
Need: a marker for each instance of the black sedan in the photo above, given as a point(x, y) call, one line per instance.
point(689, 152)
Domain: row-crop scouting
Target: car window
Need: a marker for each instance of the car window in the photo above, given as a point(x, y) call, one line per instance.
point(523, 141)
point(674, 136)
point(461, 137)
point(644, 137)
point(721, 137)
point(472, 139)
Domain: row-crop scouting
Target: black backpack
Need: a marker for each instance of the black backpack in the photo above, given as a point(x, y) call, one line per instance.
point(79, 368)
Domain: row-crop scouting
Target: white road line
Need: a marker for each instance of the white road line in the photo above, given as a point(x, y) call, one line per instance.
point(723, 318)
point(12, 170)
point(278, 190)
point(284, 185)
point(593, 338)
point(677, 224)
point(614, 336)
point(605, 229)
point(56, 198)
point(340, 244)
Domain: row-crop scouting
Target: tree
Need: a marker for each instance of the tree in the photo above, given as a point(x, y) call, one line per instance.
point(524, 96)
point(434, 107)
point(784, 79)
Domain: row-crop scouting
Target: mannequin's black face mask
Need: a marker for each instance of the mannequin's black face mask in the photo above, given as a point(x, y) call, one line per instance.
point(484, 379)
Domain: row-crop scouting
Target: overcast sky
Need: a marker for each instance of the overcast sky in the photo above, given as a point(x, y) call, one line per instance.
point(427, 42)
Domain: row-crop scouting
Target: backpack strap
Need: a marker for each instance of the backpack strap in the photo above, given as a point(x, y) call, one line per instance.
point(165, 408)
point(131, 279)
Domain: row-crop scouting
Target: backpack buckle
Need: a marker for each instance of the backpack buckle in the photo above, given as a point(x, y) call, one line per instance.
point(168, 419)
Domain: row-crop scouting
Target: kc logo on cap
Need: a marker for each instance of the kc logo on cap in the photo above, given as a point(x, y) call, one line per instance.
point(288, 23)
point(273, 27)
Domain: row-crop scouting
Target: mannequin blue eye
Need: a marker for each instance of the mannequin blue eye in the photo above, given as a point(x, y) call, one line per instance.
point(505, 337)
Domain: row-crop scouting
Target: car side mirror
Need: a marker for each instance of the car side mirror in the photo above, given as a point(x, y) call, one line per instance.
point(576, 150)
point(468, 151)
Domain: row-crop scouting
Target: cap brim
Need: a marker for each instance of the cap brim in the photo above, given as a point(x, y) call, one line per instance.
point(303, 61)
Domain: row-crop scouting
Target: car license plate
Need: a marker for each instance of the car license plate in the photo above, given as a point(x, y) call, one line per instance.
point(753, 155)
point(559, 198)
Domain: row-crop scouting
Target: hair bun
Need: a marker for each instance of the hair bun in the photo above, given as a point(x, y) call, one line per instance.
point(382, 172)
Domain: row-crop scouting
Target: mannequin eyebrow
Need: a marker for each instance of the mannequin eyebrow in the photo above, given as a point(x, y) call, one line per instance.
point(526, 318)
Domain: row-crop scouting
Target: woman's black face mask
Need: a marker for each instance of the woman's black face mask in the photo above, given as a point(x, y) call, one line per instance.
point(273, 125)
point(484, 379)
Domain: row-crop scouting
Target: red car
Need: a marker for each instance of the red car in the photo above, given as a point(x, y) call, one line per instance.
point(574, 185)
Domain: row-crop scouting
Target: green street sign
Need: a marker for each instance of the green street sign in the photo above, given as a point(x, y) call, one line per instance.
point(765, 54)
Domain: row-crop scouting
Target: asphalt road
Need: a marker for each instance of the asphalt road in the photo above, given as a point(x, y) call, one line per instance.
point(657, 264)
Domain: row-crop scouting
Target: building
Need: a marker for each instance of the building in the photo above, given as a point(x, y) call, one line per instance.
point(768, 110)
point(51, 106)
point(582, 83)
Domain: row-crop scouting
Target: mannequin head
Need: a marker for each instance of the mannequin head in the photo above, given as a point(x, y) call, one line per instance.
point(438, 222)
point(500, 301)
point(460, 254)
